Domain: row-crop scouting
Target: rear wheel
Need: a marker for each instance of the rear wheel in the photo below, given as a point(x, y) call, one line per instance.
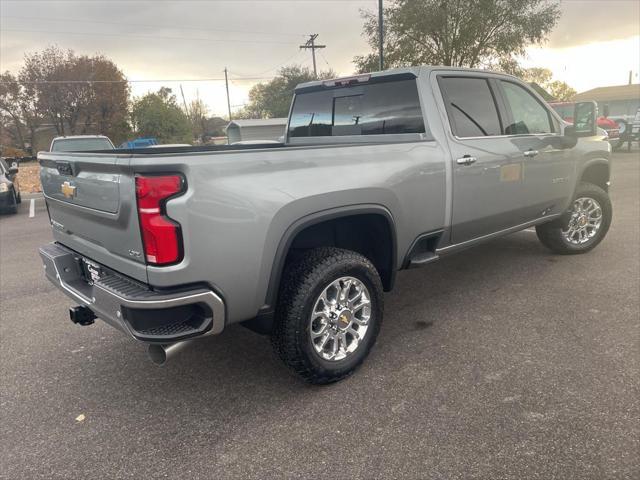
point(329, 314)
point(583, 226)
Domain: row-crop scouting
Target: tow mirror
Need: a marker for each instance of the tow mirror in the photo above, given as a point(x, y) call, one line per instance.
point(585, 117)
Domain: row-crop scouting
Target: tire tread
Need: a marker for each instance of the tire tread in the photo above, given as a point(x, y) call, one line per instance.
point(299, 279)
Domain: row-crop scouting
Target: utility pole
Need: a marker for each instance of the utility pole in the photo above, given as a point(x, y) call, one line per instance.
point(381, 33)
point(184, 101)
point(226, 81)
point(311, 44)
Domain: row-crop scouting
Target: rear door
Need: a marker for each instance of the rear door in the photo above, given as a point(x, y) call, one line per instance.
point(92, 208)
point(488, 187)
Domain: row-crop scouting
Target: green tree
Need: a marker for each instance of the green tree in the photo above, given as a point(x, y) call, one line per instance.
point(10, 100)
point(273, 99)
point(460, 33)
point(543, 77)
point(158, 115)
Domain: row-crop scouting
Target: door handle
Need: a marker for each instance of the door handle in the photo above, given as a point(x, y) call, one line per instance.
point(466, 160)
point(531, 153)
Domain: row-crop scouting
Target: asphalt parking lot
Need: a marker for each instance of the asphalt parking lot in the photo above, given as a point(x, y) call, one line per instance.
point(501, 362)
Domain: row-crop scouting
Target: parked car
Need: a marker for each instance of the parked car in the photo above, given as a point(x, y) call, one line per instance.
point(9, 188)
point(378, 173)
point(610, 126)
point(81, 143)
point(629, 129)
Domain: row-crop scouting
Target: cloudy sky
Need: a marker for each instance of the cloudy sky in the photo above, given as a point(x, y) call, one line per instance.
point(596, 43)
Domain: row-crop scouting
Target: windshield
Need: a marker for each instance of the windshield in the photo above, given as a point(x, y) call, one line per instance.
point(4, 168)
point(81, 144)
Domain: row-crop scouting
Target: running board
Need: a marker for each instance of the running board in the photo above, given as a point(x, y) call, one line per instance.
point(423, 250)
point(422, 259)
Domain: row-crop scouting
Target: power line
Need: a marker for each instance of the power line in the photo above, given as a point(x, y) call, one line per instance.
point(181, 27)
point(325, 60)
point(96, 34)
point(281, 64)
point(183, 1)
point(165, 80)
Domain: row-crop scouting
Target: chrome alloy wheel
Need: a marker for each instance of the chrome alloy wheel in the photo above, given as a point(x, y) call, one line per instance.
point(584, 221)
point(340, 318)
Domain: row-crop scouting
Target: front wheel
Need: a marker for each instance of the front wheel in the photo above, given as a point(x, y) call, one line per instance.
point(583, 226)
point(622, 135)
point(329, 314)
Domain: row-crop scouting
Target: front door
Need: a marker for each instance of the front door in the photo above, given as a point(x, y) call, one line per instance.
point(488, 181)
point(549, 167)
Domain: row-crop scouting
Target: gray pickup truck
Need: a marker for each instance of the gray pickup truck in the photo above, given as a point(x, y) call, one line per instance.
point(378, 173)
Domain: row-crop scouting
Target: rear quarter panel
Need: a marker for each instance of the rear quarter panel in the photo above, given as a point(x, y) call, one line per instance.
point(239, 205)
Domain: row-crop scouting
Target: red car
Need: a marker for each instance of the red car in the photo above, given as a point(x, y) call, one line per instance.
point(565, 110)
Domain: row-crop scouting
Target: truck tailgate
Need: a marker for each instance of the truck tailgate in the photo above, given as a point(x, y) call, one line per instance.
point(92, 206)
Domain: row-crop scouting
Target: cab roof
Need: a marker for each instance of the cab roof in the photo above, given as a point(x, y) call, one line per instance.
point(386, 75)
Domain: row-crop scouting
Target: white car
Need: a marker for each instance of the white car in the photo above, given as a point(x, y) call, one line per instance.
point(81, 143)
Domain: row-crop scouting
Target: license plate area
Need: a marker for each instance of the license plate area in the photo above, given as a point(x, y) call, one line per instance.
point(91, 271)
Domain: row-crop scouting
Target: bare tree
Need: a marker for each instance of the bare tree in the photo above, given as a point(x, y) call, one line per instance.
point(77, 94)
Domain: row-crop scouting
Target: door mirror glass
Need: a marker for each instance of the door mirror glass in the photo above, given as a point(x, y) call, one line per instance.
point(585, 119)
point(13, 170)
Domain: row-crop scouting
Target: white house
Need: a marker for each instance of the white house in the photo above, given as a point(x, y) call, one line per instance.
point(258, 129)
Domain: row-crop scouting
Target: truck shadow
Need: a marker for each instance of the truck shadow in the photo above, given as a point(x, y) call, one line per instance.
point(240, 360)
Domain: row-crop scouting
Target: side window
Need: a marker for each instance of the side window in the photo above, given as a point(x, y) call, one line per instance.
point(529, 115)
point(375, 109)
point(470, 106)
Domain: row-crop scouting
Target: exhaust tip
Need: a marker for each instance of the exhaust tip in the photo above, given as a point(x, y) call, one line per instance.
point(160, 354)
point(157, 354)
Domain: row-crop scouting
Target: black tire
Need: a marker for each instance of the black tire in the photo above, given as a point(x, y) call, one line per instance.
point(617, 145)
point(19, 198)
point(550, 234)
point(303, 282)
point(13, 205)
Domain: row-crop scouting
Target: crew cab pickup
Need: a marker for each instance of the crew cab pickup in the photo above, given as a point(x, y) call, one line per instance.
point(377, 173)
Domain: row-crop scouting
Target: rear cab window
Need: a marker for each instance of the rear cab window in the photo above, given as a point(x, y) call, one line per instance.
point(391, 107)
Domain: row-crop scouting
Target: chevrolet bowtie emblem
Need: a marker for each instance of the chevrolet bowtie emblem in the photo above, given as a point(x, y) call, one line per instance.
point(68, 190)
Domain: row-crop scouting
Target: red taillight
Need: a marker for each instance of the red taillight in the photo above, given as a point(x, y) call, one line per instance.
point(160, 235)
